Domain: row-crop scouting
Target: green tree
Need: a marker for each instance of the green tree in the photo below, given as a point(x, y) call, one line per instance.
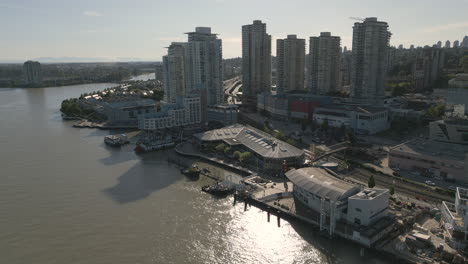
point(392, 190)
point(436, 111)
point(220, 147)
point(291, 141)
point(371, 182)
point(244, 156)
point(227, 150)
point(236, 154)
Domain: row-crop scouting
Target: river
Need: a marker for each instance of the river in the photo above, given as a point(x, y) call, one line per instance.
point(65, 197)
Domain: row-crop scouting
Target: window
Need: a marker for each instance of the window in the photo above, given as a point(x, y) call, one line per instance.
point(357, 221)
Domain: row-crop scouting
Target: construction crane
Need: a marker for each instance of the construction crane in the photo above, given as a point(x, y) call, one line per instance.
point(357, 18)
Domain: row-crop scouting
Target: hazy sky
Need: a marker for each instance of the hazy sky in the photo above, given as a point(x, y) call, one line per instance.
point(142, 28)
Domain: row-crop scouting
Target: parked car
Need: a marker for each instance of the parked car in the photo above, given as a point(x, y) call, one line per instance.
point(396, 174)
point(430, 183)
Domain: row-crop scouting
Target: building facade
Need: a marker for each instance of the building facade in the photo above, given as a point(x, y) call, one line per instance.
point(204, 64)
point(445, 160)
point(126, 111)
point(362, 120)
point(291, 106)
point(340, 203)
point(174, 72)
point(427, 67)
point(454, 215)
point(451, 131)
point(267, 152)
point(186, 111)
point(324, 64)
point(290, 54)
point(32, 72)
point(225, 114)
point(369, 64)
point(256, 61)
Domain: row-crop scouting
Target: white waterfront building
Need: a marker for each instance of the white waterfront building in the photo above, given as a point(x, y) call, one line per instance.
point(337, 201)
point(186, 111)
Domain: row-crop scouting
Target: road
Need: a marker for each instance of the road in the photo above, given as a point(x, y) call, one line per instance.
point(407, 188)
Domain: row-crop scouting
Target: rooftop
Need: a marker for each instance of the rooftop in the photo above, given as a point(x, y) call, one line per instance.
point(437, 149)
point(359, 109)
point(131, 103)
point(368, 194)
point(321, 183)
point(258, 141)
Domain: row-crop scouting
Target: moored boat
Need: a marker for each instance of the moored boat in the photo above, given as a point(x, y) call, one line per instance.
point(116, 140)
point(218, 189)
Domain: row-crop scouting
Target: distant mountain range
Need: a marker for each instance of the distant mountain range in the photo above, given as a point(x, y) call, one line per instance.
point(79, 59)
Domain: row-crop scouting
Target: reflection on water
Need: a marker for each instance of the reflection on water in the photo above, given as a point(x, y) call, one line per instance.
point(65, 197)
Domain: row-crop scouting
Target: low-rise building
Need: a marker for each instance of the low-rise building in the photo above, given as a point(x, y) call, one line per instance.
point(267, 152)
point(362, 119)
point(458, 96)
point(225, 114)
point(342, 207)
point(454, 216)
point(291, 105)
point(446, 160)
point(452, 131)
point(126, 111)
point(186, 111)
point(367, 206)
point(460, 81)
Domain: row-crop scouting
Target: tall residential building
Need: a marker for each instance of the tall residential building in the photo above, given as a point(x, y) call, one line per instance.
point(411, 47)
point(369, 65)
point(439, 44)
point(159, 73)
point(400, 47)
point(324, 64)
point(205, 64)
point(391, 57)
point(256, 61)
point(32, 72)
point(174, 71)
point(447, 44)
point(427, 67)
point(464, 43)
point(290, 53)
point(456, 44)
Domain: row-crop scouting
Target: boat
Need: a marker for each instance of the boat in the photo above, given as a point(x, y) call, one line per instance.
point(116, 140)
point(218, 189)
point(192, 172)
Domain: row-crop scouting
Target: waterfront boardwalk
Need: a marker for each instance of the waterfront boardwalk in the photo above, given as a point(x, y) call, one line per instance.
point(187, 149)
